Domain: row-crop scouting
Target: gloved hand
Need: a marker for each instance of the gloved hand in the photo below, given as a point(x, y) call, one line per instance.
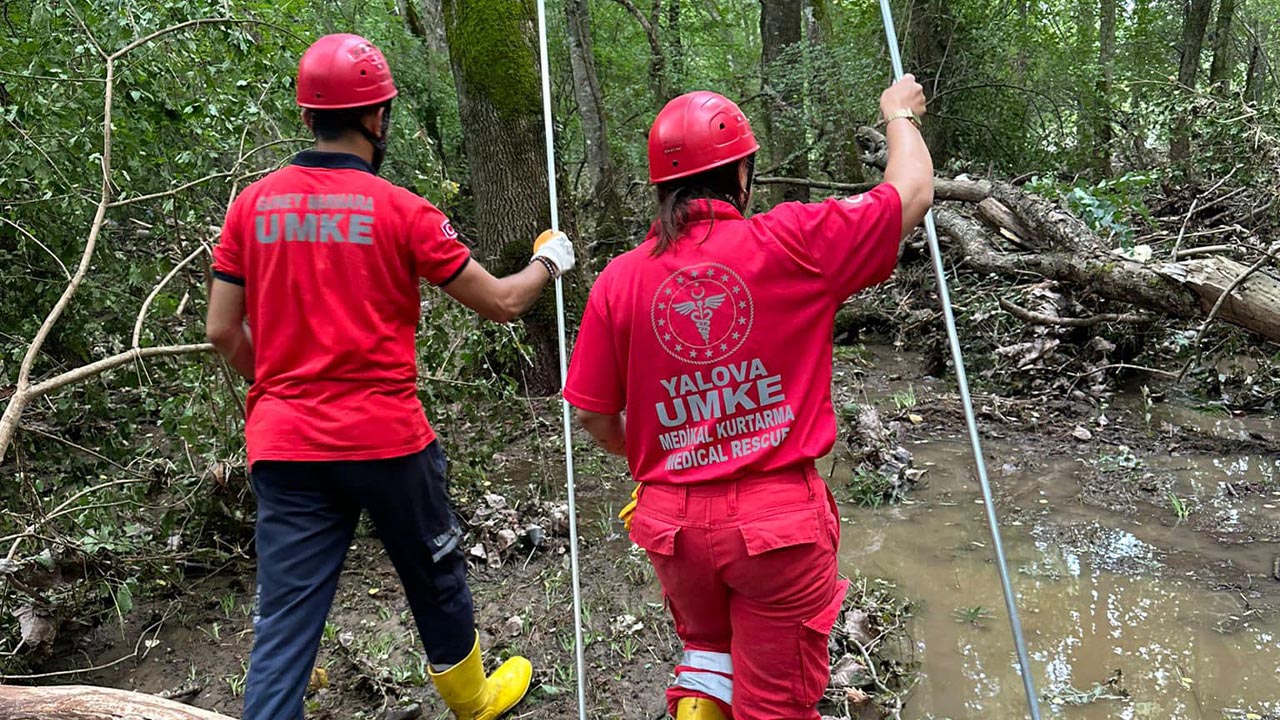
point(630, 508)
point(555, 246)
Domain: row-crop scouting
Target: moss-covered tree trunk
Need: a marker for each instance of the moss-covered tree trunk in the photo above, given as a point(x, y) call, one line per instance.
point(1086, 102)
point(1255, 76)
point(495, 66)
point(1220, 69)
point(780, 35)
point(1102, 114)
point(843, 164)
point(930, 51)
point(601, 212)
point(1195, 22)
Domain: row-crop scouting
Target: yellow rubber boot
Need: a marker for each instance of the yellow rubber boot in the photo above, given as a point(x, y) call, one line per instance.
point(472, 696)
point(698, 709)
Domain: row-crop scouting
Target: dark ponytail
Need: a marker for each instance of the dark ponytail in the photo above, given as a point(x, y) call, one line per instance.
point(675, 196)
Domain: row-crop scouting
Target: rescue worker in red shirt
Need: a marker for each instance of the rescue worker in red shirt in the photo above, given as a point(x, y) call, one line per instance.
point(323, 260)
point(714, 337)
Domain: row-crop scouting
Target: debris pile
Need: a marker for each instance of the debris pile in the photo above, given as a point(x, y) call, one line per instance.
point(882, 467)
point(497, 530)
point(872, 664)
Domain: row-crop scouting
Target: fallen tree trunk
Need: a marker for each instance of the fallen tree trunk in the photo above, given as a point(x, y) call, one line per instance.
point(1187, 288)
point(1023, 235)
point(83, 702)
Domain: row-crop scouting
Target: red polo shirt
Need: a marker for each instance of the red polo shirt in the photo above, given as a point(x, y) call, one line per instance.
point(719, 349)
point(330, 256)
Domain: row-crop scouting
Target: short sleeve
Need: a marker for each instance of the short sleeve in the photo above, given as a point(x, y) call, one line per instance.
point(228, 254)
point(595, 381)
point(439, 256)
point(852, 241)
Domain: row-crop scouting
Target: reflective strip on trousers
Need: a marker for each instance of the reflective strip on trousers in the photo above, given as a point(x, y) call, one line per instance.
point(707, 660)
point(708, 683)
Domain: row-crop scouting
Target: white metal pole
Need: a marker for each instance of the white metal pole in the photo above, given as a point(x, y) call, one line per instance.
point(564, 404)
point(957, 357)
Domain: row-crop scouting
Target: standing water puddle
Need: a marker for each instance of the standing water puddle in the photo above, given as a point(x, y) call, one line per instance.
point(1088, 609)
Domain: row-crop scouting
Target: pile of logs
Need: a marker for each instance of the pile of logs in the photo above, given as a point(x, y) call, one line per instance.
point(996, 227)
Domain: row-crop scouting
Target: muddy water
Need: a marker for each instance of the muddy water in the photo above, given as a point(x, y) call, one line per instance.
point(1089, 607)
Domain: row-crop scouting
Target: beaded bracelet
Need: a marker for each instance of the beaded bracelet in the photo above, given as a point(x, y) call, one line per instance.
point(550, 266)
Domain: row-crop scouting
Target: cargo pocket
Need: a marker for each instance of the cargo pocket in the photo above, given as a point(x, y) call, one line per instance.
point(815, 661)
point(785, 529)
point(654, 534)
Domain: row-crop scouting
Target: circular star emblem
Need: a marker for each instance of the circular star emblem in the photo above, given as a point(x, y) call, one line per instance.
point(702, 313)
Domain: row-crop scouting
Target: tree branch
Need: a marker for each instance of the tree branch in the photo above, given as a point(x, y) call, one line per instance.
point(175, 28)
point(943, 189)
point(111, 362)
point(24, 391)
point(1036, 318)
point(146, 304)
point(35, 240)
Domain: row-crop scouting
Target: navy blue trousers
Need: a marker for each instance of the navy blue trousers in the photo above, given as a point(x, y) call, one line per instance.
point(307, 516)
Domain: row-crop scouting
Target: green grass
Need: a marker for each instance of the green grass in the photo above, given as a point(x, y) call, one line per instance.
point(975, 616)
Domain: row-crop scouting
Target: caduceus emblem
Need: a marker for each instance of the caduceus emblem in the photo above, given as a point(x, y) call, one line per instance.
point(700, 310)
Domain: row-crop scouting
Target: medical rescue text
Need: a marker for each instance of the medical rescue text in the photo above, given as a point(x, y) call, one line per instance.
point(726, 412)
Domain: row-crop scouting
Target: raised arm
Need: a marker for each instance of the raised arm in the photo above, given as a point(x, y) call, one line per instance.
point(504, 299)
point(910, 168)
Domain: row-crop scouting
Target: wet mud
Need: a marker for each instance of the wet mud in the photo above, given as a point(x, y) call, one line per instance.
point(1142, 550)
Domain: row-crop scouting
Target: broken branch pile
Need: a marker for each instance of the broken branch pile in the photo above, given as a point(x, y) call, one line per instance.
point(999, 228)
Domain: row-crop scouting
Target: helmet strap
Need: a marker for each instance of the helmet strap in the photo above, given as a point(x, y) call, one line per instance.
point(379, 142)
point(746, 190)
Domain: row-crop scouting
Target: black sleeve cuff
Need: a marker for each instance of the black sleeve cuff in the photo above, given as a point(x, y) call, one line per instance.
point(228, 278)
point(457, 272)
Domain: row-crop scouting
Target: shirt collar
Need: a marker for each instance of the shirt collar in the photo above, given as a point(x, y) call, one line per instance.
point(332, 161)
point(710, 209)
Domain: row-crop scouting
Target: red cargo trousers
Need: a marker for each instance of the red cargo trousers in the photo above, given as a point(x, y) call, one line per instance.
point(748, 567)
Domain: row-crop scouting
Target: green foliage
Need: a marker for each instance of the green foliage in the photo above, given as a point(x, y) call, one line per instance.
point(134, 476)
point(1110, 207)
point(871, 488)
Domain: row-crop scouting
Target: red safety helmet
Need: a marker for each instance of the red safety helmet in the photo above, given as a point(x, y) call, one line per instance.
point(343, 71)
point(695, 132)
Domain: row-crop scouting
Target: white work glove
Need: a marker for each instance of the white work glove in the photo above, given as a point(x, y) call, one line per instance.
point(555, 246)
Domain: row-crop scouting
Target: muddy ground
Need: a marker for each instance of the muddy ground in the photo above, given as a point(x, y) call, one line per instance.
point(1114, 452)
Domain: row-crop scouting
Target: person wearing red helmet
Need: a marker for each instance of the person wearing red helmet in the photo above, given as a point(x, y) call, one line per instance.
point(704, 357)
point(323, 260)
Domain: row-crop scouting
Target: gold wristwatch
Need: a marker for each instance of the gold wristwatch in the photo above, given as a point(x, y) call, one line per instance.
point(903, 113)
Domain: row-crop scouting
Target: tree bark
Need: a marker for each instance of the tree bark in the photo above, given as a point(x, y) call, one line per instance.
point(1102, 130)
point(423, 19)
point(780, 36)
point(657, 54)
point(1185, 289)
point(586, 90)
point(1220, 69)
point(1057, 245)
point(82, 702)
point(673, 31)
point(601, 216)
point(492, 51)
point(840, 160)
point(1255, 77)
point(1086, 102)
point(1194, 23)
point(929, 37)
